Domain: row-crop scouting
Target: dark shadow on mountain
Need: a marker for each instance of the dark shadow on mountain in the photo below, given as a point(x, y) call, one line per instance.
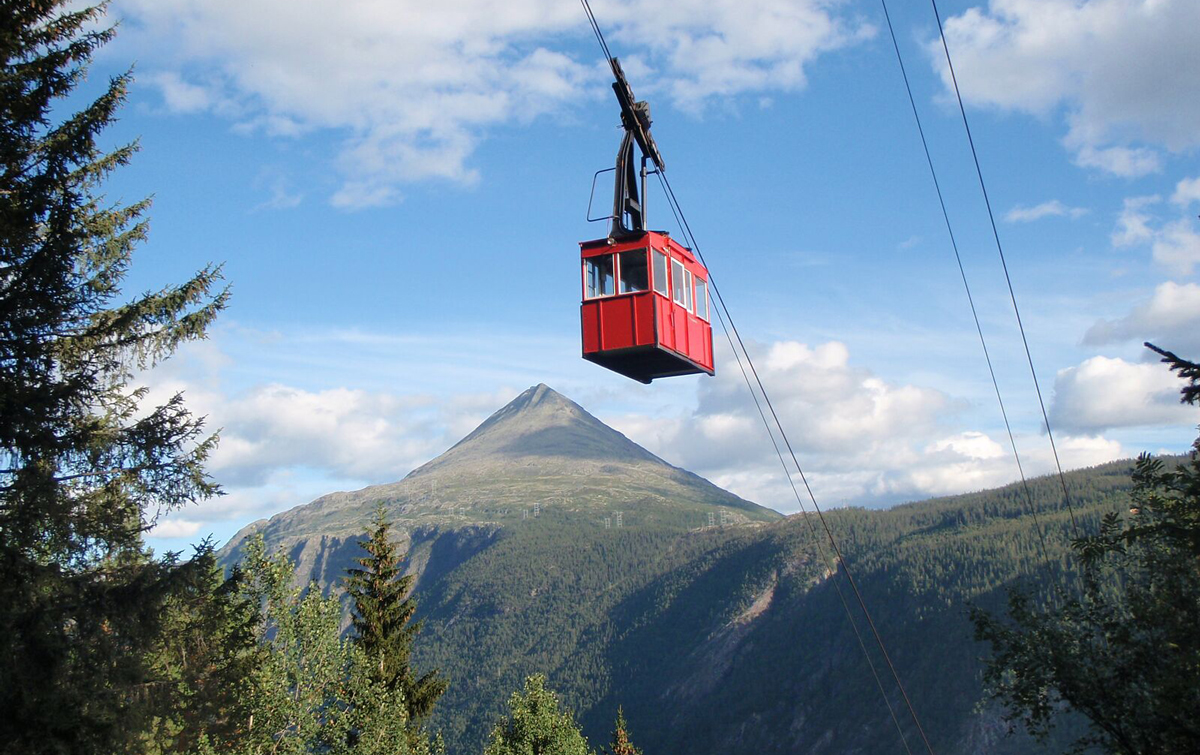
point(452, 548)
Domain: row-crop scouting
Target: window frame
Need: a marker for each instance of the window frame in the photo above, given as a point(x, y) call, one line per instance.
point(676, 291)
point(657, 254)
point(591, 261)
point(618, 271)
point(702, 282)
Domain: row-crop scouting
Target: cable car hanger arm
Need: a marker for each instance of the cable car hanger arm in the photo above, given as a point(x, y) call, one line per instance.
point(635, 119)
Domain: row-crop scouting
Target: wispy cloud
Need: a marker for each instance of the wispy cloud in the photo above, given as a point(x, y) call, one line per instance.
point(1133, 224)
point(1175, 244)
point(1186, 192)
point(281, 194)
point(1051, 208)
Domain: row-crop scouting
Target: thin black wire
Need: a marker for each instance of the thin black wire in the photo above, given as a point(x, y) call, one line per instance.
point(812, 497)
point(587, 8)
point(807, 520)
point(787, 473)
point(1003, 263)
point(682, 219)
point(967, 286)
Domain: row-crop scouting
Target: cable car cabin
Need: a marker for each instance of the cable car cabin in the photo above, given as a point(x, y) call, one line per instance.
point(645, 311)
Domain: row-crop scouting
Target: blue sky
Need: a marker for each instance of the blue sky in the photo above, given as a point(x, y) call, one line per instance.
point(397, 190)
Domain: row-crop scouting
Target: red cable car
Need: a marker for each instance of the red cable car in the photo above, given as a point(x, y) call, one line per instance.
point(645, 309)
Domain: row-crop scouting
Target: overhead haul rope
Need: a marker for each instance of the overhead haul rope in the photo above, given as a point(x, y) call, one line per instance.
point(1004, 264)
point(829, 566)
point(839, 557)
point(967, 286)
point(732, 328)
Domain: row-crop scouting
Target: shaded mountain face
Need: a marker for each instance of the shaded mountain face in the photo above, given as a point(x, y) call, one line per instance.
point(541, 456)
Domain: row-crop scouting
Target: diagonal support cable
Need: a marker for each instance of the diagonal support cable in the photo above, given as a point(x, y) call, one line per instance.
point(1004, 264)
point(967, 286)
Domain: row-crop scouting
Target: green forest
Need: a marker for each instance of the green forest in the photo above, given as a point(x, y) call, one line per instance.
point(1018, 620)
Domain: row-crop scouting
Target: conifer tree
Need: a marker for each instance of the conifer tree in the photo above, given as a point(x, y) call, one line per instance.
point(621, 744)
point(205, 659)
point(85, 466)
point(382, 620)
point(1125, 653)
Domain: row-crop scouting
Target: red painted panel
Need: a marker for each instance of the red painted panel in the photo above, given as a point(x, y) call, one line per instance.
point(644, 315)
point(616, 315)
point(591, 327)
point(708, 346)
point(696, 340)
point(681, 328)
point(666, 323)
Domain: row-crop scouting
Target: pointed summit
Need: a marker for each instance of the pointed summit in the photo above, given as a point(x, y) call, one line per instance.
point(538, 394)
point(543, 423)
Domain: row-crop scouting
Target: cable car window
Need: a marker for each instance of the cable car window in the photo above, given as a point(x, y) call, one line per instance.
point(598, 273)
point(635, 275)
point(679, 284)
point(660, 273)
point(702, 298)
point(687, 288)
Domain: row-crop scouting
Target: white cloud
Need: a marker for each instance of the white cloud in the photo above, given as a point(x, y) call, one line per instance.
point(174, 528)
point(352, 433)
point(1103, 393)
point(411, 87)
point(272, 432)
point(1133, 224)
point(1125, 162)
point(1177, 247)
point(973, 461)
point(1126, 72)
point(1052, 208)
point(860, 439)
point(1171, 319)
point(181, 96)
point(1187, 191)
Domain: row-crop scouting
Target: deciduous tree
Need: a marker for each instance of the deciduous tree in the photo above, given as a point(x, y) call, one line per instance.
point(314, 692)
point(536, 726)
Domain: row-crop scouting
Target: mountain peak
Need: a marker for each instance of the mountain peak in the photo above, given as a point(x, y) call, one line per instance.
point(541, 422)
point(540, 448)
point(539, 396)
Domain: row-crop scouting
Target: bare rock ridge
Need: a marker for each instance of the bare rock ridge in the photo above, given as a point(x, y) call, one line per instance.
point(539, 454)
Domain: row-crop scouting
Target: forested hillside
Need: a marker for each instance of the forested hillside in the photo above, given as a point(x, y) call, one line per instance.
point(711, 637)
point(734, 638)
